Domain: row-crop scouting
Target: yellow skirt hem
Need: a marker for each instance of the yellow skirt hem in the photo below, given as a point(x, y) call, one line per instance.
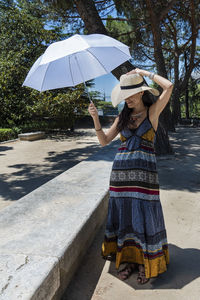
point(153, 267)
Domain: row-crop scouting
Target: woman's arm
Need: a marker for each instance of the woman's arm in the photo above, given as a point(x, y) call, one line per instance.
point(111, 133)
point(166, 85)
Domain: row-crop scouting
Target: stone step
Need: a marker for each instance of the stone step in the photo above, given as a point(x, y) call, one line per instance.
point(31, 136)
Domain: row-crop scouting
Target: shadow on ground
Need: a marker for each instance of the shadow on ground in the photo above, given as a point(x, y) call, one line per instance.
point(182, 270)
point(84, 281)
point(171, 168)
point(4, 148)
point(31, 176)
point(181, 170)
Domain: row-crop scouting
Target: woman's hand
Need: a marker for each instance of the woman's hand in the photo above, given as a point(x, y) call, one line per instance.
point(139, 71)
point(93, 111)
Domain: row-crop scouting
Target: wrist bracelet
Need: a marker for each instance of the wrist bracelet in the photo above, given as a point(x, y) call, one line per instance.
point(151, 75)
point(98, 129)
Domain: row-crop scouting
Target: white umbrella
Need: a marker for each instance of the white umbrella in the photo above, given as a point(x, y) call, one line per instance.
point(76, 60)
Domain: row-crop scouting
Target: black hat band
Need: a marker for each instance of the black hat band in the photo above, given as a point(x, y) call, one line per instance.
point(128, 87)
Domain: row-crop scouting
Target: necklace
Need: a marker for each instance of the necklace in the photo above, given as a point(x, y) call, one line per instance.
point(137, 116)
point(138, 113)
point(133, 119)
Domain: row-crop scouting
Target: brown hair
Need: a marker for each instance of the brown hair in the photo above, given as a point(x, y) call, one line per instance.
point(124, 116)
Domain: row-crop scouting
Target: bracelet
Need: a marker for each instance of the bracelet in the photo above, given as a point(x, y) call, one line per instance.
point(98, 129)
point(151, 75)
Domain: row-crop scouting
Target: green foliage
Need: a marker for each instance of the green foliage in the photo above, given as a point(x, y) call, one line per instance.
point(6, 134)
point(63, 13)
point(194, 97)
point(66, 105)
point(120, 30)
point(23, 38)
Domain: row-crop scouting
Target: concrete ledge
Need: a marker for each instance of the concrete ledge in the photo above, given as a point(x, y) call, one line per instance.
point(44, 235)
point(31, 136)
point(9, 141)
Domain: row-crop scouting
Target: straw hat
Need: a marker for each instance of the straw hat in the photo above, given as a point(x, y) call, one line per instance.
point(130, 85)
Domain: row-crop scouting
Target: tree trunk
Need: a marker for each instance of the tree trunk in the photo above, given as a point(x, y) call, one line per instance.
point(162, 136)
point(165, 116)
point(165, 120)
point(186, 91)
point(186, 104)
point(94, 24)
point(182, 85)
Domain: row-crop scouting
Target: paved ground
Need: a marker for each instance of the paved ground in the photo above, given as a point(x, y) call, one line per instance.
point(179, 180)
point(27, 165)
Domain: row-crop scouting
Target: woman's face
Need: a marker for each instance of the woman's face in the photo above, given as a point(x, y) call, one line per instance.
point(134, 100)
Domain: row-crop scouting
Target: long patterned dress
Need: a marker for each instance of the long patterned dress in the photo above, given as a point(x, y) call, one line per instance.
point(135, 228)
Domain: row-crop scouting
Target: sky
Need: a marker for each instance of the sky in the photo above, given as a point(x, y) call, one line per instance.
point(105, 84)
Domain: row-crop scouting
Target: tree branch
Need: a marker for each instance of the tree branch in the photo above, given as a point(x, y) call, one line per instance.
point(191, 37)
point(122, 19)
point(100, 2)
point(174, 34)
point(73, 17)
point(125, 33)
point(147, 46)
point(150, 58)
point(114, 19)
point(165, 11)
point(101, 9)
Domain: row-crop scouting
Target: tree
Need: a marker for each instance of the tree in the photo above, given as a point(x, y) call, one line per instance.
point(23, 38)
point(88, 12)
point(164, 32)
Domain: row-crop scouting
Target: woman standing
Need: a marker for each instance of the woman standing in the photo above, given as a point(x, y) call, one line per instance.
point(135, 230)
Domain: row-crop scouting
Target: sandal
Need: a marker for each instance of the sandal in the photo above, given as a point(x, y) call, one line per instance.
point(141, 279)
point(126, 271)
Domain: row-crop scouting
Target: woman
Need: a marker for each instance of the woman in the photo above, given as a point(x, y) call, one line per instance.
point(135, 230)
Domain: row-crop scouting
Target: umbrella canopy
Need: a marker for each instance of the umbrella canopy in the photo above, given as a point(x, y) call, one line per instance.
point(76, 60)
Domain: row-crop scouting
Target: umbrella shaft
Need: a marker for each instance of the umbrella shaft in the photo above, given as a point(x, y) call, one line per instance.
point(83, 79)
point(87, 91)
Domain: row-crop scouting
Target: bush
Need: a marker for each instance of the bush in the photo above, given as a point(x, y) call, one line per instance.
point(33, 126)
point(46, 125)
point(7, 134)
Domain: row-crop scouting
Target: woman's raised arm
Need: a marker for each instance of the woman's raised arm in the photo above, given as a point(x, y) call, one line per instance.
point(111, 133)
point(166, 85)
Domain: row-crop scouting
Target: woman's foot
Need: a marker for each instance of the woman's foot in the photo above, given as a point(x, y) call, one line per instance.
point(141, 279)
point(126, 271)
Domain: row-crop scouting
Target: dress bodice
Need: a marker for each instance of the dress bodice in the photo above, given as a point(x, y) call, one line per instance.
point(133, 137)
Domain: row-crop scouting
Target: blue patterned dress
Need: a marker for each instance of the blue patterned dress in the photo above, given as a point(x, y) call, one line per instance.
point(135, 228)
